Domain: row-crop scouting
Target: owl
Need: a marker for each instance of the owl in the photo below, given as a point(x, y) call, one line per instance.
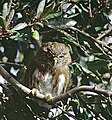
point(49, 71)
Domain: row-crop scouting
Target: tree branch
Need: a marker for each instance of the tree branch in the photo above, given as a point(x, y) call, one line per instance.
point(105, 33)
point(90, 10)
point(13, 82)
point(55, 99)
point(92, 38)
point(80, 89)
point(13, 64)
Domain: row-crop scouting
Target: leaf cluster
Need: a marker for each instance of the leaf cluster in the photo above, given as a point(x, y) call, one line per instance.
point(83, 25)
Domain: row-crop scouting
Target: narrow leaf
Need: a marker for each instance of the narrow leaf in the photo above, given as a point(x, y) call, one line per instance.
point(21, 57)
point(48, 10)
point(73, 15)
point(3, 23)
point(84, 8)
point(19, 26)
point(10, 17)
point(35, 35)
point(40, 8)
point(88, 72)
point(97, 29)
point(53, 15)
point(5, 10)
point(62, 23)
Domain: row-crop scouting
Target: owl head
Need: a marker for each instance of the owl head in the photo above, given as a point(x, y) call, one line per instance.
point(58, 52)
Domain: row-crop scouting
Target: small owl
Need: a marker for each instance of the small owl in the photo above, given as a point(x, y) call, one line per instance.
point(49, 69)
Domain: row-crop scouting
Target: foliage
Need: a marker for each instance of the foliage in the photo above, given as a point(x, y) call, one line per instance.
point(85, 26)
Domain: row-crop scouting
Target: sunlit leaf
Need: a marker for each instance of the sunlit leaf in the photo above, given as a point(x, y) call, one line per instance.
point(10, 16)
point(86, 10)
point(97, 28)
point(19, 26)
point(48, 10)
point(35, 35)
point(40, 8)
point(103, 56)
point(62, 23)
point(53, 15)
point(3, 22)
point(21, 57)
point(5, 10)
point(73, 15)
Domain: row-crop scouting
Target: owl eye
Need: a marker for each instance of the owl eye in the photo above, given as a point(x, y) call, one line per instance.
point(49, 55)
point(61, 56)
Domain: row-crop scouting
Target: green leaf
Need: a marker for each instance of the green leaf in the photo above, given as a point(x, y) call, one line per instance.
point(97, 106)
point(19, 26)
point(109, 110)
point(40, 8)
point(3, 23)
point(97, 29)
point(21, 75)
point(53, 15)
point(61, 23)
point(81, 51)
point(84, 9)
point(73, 15)
point(89, 73)
point(5, 10)
point(21, 57)
point(10, 16)
point(48, 10)
point(35, 35)
point(97, 65)
point(95, 46)
point(103, 56)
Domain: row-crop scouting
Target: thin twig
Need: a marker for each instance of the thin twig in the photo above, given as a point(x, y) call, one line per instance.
point(13, 64)
point(68, 35)
point(90, 9)
point(91, 109)
point(92, 38)
point(69, 114)
point(105, 33)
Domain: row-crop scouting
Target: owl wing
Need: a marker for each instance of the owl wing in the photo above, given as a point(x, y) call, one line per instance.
point(61, 84)
point(29, 72)
point(61, 81)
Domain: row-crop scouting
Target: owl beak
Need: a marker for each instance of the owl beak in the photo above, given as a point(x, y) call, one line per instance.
point(55, 61)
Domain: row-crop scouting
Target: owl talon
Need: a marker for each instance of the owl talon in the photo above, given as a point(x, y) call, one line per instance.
point(35, 92)
point(48, 96)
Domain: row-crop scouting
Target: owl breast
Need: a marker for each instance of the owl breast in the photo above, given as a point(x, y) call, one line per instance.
point(44, 84)
point(49, 83)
